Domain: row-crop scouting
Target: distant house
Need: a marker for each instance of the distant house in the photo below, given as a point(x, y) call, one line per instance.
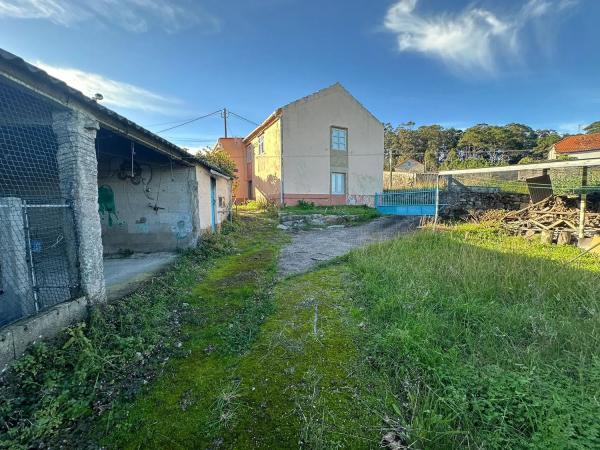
point(236, 148)
point(410, 165)
point(325, 148)
point(580, 146)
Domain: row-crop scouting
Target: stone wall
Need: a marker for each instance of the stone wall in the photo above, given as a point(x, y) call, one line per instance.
point(459, 201)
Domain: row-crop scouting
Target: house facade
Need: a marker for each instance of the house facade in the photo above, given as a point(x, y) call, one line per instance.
point(325, 148)
point(579, 146)
point(236, 149)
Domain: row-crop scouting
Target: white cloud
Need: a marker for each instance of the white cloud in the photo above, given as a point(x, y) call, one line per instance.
point(132, 15)
point(115, 93)
point(571, 127)
point(470, 40)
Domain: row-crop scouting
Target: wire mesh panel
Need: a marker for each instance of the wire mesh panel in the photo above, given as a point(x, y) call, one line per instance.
point(38, 267)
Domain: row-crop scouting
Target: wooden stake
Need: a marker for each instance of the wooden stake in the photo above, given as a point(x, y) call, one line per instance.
point(582, 203)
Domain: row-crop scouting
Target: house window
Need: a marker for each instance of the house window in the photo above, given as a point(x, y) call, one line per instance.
point(338, 183)
point(249, 153)
point(261, 144)
point(339, 139)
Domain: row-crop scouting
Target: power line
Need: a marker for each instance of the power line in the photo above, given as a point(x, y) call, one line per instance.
point(168, 123)
point(190, 121)
point(242, 117)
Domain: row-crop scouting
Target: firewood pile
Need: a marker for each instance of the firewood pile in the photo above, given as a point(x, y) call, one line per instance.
point(554, 217)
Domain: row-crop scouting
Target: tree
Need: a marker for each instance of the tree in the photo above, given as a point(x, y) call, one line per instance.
point(546, 139)
point(593, 127)
point(431, 138)
point(519, 136)
point(221, 159)
point(390, 144)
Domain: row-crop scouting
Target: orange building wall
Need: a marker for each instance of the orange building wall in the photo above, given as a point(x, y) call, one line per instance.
point(236, 148)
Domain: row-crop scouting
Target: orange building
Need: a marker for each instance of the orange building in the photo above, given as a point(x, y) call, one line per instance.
point(236, 148)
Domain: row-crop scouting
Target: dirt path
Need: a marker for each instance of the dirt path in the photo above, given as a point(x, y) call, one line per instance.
point(309, 247)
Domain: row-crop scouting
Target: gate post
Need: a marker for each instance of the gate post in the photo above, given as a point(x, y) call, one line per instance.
point(17, 299)
point(437, 201)
point(78, 176)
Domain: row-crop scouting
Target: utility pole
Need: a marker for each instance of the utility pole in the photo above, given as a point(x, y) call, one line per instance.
point(390, 164)
point(225, 120)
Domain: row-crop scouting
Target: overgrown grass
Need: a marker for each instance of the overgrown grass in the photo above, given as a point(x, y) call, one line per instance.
point(74, 390)
point(195, 398)
point(488, 341)
point(364, 212)
point(464, 338)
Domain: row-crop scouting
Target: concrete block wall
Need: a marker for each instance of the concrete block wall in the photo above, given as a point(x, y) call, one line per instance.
point(158, 214)
point(224, 187)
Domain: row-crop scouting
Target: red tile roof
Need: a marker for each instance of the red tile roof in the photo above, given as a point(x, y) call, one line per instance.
point(578, 143)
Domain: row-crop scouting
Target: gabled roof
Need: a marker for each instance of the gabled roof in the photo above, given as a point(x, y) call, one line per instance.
point(33, 77)
point(578, 143)
point(408, 159)
point(279, 111)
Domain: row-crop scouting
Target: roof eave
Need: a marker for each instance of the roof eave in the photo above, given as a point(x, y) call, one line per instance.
point(275, 115)
point(20, 71)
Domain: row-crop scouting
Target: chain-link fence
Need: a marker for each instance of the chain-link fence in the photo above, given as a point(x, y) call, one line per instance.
point(38, 266)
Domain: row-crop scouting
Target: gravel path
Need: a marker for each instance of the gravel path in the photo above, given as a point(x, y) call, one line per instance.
point(309, 247)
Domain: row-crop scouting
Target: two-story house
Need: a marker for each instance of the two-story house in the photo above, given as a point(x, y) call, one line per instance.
point(325, 148)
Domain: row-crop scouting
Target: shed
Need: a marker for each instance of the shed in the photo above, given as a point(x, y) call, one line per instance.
point(79, 181)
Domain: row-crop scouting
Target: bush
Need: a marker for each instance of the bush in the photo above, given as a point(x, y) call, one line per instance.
point(303, 204)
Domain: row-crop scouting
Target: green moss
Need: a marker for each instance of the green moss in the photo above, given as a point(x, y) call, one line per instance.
point(301, 388)
point(363, 212)
point(229, 303)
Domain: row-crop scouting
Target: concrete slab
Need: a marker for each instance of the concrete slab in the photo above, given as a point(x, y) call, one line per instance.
point(124, 275)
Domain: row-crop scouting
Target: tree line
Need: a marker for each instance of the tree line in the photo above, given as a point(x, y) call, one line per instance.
point(481, 145)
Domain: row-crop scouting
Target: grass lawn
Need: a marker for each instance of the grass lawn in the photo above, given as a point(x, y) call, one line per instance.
point(364, 212)
point(463, 338)
point(488, 341)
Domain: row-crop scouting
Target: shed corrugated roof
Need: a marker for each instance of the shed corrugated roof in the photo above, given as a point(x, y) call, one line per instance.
point(19, 64)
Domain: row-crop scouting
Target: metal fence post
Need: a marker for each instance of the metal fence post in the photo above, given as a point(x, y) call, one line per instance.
point(437, 201)
point(30, 256)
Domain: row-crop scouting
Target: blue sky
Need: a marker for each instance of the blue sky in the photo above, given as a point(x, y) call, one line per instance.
point(456, 63)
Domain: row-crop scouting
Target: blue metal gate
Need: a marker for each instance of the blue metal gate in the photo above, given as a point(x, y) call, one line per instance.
point(419, 202)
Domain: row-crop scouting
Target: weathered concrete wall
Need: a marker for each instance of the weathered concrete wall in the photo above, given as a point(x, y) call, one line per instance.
point(156, 212)
point(15, 338)
point(17, 298)
point(223, 198)
point(267, 167)
point(236, 148)
point(307, 154)
point(577, 155)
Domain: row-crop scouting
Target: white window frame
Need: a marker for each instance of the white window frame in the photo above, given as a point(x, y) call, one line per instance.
point(261, 144)
point(249, 149)
point(335, 188)
point(335, 139)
